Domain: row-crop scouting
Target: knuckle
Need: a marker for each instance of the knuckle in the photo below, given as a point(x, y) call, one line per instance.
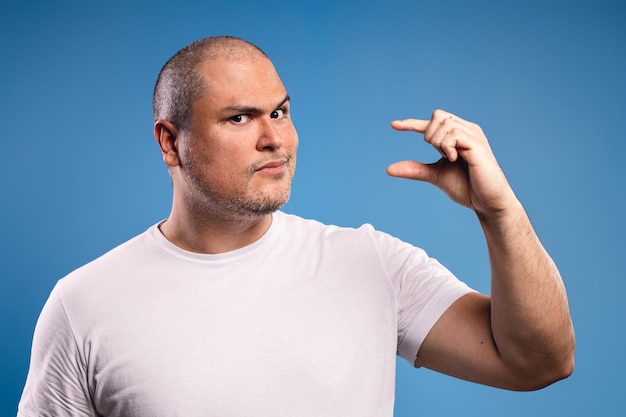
point(438, 113)
point(455, 131)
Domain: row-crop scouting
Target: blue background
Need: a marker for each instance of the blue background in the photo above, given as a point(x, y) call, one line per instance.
point(545, 80)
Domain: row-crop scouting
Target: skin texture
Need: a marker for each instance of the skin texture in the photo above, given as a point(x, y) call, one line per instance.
point(234, 166)
point(520, 338)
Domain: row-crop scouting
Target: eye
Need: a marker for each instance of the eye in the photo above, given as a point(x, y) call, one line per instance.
point(278, 113)
point(240, 119)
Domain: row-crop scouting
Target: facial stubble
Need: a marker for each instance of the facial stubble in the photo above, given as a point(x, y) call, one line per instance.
point(240, 202)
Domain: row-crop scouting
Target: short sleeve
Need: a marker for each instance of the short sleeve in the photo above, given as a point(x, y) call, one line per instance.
point(57, 383)
point(426, 295)
point(424, 289)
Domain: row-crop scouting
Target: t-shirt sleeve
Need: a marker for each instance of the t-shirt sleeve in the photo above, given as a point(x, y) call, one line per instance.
point(424, 290)
point(57, 383)
point(426, 294)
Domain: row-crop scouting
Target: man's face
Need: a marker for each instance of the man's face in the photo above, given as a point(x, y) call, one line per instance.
point(239, 157)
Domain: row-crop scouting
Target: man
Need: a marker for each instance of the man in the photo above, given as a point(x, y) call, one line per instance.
point(230, 307)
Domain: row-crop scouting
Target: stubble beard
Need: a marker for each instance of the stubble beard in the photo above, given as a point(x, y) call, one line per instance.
point(239, 204)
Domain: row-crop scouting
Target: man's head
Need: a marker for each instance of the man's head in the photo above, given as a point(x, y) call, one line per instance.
point(223, 125)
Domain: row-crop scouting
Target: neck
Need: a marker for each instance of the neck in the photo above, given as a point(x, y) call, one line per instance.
point(213, 235)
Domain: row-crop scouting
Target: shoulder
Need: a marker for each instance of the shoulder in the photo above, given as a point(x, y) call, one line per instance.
point(108, 267)
point(294, 224)
point(364, 243)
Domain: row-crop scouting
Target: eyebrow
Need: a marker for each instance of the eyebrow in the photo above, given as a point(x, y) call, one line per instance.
point(251, 109)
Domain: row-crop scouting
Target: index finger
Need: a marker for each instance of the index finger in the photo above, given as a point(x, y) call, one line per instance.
point(415, 125)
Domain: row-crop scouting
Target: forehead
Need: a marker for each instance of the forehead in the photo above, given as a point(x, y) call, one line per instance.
point(233, 80)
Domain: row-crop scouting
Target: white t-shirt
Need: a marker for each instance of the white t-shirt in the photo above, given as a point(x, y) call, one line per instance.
point(306, 321)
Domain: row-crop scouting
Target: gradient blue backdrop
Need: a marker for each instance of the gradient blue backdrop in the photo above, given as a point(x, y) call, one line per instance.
point(82, 173)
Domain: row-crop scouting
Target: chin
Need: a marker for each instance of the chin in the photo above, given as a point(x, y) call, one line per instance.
point(266, 205)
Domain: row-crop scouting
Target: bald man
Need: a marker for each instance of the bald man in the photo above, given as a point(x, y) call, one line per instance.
point(232, 307)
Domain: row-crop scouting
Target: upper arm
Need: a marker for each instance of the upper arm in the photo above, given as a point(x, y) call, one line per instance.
point(461, 344)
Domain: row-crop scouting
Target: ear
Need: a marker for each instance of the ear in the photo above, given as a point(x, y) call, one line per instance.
point(165, 133)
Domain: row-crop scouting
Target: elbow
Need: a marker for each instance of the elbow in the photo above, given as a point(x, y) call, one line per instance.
point(546, 373)
point(551, 364)
point(555, 373)
point(562, 365)
point(532, 370)
point(565, 367)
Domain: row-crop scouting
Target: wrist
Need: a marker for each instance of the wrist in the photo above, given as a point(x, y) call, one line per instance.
point(505, 213)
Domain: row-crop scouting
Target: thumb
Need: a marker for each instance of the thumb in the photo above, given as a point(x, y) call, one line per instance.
point(413, 170)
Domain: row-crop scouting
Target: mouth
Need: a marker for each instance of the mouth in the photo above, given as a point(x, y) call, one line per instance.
point(273, 167)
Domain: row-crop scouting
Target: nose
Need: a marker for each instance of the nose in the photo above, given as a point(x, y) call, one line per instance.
point(270, 137)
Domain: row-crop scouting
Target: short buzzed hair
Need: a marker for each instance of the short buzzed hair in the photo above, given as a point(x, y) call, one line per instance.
point(179, 83)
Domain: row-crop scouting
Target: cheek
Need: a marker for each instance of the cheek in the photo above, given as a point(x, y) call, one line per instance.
point(292, 138)
point(228, 162)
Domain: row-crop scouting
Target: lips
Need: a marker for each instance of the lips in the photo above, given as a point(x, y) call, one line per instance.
point(273, 167)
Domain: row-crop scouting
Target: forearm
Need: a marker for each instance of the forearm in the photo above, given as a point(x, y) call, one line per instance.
point(530, 317)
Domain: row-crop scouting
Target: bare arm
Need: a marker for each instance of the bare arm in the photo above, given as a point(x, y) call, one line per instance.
point(521, 337)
